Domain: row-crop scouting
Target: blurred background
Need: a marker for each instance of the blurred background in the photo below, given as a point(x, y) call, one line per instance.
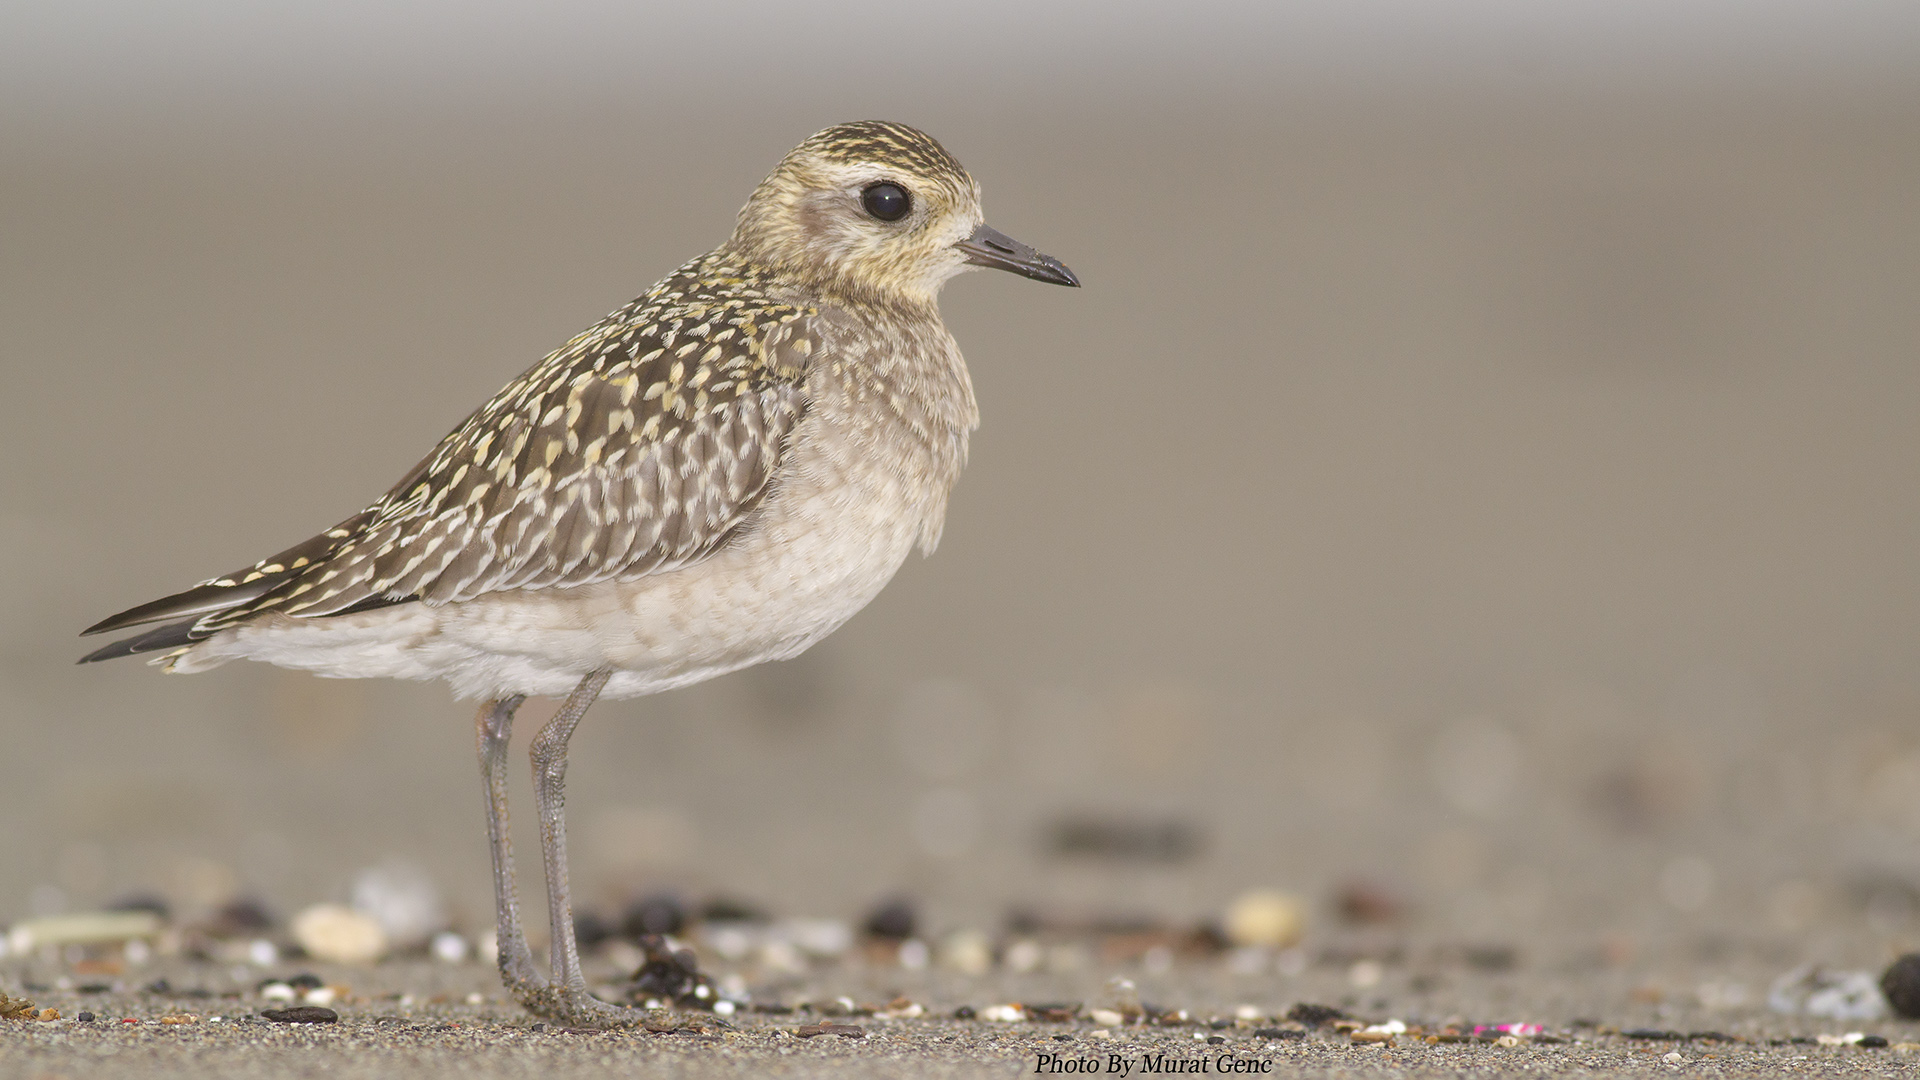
point(1481, 471)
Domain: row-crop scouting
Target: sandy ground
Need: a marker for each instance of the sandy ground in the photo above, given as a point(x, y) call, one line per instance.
point(423, 1018)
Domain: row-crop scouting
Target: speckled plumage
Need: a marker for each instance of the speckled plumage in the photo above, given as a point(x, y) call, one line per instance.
point(717, 474)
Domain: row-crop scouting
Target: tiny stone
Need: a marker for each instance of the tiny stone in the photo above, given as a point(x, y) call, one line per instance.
point(340, 934)
point(1265, 917)
point(1874, 1041)
point(301, 1014)
point(448, 947)
point(1901, 984)
point(894, 919)
point(84, 1017)
point(1315, 1015)
point(1216, 1040)
point(964, 1012)
point(1674, 1057)
point(1106, 1018)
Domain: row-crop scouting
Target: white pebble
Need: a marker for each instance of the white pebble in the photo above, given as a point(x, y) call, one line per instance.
point(449, 947)
point(341, 935)
point(1265, 917)
point(1674, 1057)
point(278, 991)
point(476, 998)
point(1106, 1018)
point(820, 937)
point(262, 953)
point(403, 900)
point(723, 1007)
point(1249, 1012)
point(969, 952)
point(1100, 1033)
point(1005, 1014)
point(1025, 955)
point(319, 995)
point(914, 954)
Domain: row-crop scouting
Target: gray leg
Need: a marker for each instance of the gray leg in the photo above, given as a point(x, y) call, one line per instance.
point(493, 727)
point(568, 996)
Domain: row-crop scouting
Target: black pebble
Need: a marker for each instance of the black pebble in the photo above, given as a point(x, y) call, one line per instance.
point(1278, 1033)
point(1901, 984)
point(1874, 1041)
point(1220, 1024)
point(1651, 1034)
point(85, 1017)
point(1314, 1015)
point(301, 1014)
point(964, 1012)
point(1063, 1038)
point(893, 919)
point(1216, 1040)
point(306, 980)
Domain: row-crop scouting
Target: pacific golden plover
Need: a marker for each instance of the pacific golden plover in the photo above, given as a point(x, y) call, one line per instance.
point(718, 474)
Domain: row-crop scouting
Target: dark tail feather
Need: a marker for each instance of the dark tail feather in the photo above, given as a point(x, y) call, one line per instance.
point(197, 601)
point(170, 636)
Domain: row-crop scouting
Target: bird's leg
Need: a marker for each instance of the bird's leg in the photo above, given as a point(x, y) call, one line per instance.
point(567, 999)
point(493, 727)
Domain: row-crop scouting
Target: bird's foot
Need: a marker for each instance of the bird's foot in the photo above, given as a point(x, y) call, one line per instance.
point(579, 1009)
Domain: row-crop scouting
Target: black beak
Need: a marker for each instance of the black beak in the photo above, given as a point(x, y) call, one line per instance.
point(991, 247)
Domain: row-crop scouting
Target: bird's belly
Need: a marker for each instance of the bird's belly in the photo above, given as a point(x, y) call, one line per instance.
point(816, 556)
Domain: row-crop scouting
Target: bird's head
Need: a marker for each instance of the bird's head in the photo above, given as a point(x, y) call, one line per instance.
point(877, 210)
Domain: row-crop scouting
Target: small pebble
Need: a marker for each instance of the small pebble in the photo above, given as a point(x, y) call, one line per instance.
point(1100, 1033)
point(1901, 984)
point(1371, 1036)
point(339, 934)
point(1005, 1014)
point(85, 1017)
point(844, 1030)
point(301, 1014)
point(894, 918)
point(969, 952)
point(1674, 1057)
point(1266, 917)
point(1216, 1040)
point(964, 1012)
point(449, 947)
point(1507, 1041)
point(1106, 1018)
point(914, 954)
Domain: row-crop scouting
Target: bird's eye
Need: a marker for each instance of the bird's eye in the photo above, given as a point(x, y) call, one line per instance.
point(888, 202)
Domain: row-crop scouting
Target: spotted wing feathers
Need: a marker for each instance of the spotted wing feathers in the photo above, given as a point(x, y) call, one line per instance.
point(638, 447)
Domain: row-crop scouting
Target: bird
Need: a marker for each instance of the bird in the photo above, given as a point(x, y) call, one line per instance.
point(715, 475)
